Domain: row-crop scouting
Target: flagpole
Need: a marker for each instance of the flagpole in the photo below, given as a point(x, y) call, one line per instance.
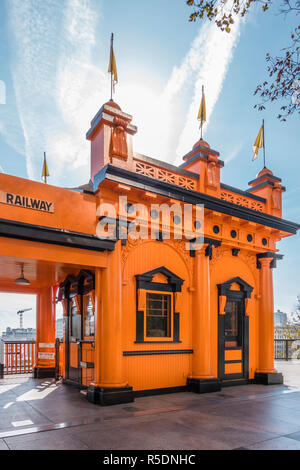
point(202, 111)
point(111, 72)
point(111, 87)
point(263, 123)
point(45, 176)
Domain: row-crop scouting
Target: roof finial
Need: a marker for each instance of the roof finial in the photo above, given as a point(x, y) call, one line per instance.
point(202, 111)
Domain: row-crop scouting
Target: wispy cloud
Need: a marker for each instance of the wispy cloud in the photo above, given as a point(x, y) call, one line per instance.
point(58, 88)
point(79, 85)
point(53, 79)
point(2, 92)
point(234, 153)
point(169, 119)
point(207, 61)
point(35, 27)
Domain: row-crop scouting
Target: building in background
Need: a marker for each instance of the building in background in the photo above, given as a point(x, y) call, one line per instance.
point(280, 318)
point(18, 334)
point(286, 336)
point(59, 333)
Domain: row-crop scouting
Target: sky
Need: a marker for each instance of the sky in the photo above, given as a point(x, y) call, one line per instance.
point(53, 80)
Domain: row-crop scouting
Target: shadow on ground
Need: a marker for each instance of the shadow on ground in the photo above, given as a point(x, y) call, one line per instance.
point(44, 415)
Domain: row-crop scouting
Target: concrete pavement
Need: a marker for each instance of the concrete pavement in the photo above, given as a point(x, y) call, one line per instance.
point(40, 414)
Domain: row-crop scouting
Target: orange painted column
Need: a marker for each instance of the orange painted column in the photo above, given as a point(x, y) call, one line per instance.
point(201, 317)
point(266, 318)
point(201, 379)
point(109, 385)
point(45, 334)
point(98, 327)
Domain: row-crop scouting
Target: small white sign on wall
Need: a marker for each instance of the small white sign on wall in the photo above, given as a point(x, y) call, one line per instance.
point(44, 355)
point(47, 345)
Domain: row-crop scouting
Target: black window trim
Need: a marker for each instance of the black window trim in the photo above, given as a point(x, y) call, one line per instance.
point(174, 284)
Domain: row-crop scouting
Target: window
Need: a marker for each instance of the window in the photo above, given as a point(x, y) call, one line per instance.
point(157, 298)
point(75, 319)
point(231, 326)
point(158, 315)
point(89, 318)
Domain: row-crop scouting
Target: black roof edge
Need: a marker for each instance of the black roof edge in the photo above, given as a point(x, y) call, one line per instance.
point(146, 183)
point(265, 176)
point(199, 154)
point(202, 147)
point(50, 235)
point(99, 177)
point(262, 185)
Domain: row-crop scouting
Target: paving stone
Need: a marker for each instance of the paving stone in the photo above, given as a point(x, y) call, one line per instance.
point(3, 445)
point(279, 443)
point(49, 440)
point(244, 417)
point(20, 412)
point(295, 435)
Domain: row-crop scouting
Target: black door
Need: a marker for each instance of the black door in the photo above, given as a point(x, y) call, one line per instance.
point(233, 339)
point(73, 341)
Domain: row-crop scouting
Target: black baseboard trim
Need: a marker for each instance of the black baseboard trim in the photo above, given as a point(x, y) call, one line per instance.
point(204, 385)
point(159, 391)
point(109, 396)
point(44, 372)
point(1, 371)
point(275, 378)
point(70, 383)
point(232, 383)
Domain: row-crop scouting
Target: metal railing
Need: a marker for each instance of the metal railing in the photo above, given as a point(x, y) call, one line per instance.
point(18, 356)
point(1, 359)
point(287, 349)
point(59, 358)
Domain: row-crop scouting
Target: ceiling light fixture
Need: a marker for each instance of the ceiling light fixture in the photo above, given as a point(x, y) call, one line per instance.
point(21, 281)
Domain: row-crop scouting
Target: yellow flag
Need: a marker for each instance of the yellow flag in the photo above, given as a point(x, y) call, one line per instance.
point(112, 68)
point(202, 110)
point(45, 172)
point(259, 143)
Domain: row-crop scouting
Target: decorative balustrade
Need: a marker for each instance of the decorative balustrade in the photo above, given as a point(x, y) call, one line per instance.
point(152, 171)
point(240, 200)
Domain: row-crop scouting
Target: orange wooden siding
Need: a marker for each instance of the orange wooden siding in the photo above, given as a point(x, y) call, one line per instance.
point(87, 356)
point(73, 355)
point(149, 372)
point(156, 371)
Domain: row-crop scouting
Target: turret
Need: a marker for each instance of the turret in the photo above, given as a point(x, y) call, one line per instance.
point(206, 163)
point(110, 134)
point(268, 186)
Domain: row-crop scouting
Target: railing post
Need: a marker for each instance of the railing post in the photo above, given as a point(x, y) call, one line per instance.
point(286, 349)
point(57, 346)
point(1, 359)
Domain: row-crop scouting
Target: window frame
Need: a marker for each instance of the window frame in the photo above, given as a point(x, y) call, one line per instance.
point(84, 311)
point(146, 283)
point(171, 318)
point(237, 298)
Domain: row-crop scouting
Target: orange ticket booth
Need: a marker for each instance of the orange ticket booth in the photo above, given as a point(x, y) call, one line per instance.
point(163, 271)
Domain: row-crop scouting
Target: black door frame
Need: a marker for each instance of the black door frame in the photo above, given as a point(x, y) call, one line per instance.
point(74, 373)
point(71, 287)
point(241, 295)
point(244, 326)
